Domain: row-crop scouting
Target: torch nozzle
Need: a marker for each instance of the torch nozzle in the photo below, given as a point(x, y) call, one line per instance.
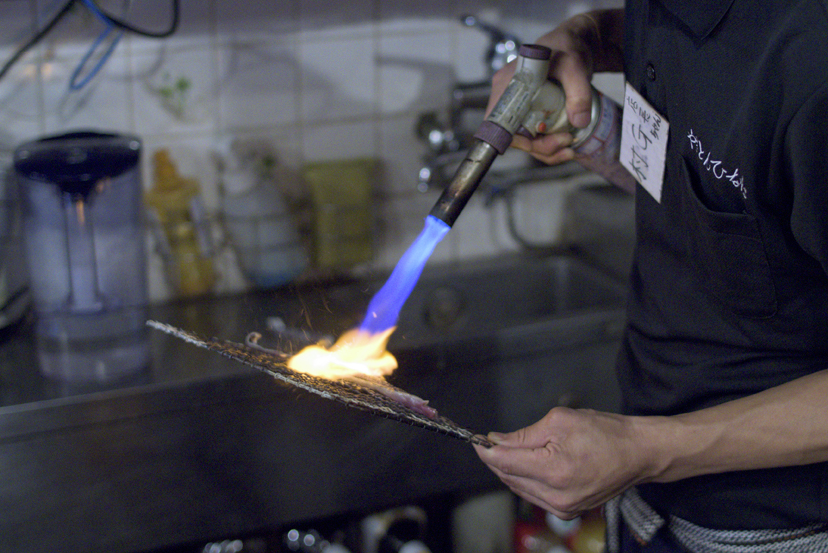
point(495, 134)
point(465, 181)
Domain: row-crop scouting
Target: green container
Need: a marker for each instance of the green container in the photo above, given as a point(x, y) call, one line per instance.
point(343, 225)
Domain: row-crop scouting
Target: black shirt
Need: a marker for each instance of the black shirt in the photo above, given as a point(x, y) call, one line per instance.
point(729, 290)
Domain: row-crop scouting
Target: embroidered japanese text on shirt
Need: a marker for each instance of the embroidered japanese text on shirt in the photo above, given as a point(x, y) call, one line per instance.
point(716, 167)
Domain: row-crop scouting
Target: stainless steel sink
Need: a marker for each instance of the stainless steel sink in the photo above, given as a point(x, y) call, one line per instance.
point(495, 298)
point(539, 332)
point(205, 447)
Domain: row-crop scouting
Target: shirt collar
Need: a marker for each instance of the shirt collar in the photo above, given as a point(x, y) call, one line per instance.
point(701, 16)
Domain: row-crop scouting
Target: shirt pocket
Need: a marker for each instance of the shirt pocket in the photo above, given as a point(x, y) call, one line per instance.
point(729, 255)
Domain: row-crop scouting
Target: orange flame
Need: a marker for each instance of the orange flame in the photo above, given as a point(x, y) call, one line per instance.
point(356, 353)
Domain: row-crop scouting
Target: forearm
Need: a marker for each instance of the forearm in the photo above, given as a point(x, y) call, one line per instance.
point(783, 426)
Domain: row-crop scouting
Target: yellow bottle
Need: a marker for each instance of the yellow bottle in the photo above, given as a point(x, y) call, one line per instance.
point(184, 235)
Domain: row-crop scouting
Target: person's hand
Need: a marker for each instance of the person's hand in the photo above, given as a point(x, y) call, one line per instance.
point(578, 50)
point(570, 461)
point(549, 148)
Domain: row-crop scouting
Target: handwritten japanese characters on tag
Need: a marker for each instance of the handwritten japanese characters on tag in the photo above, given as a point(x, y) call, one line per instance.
point(643, 142)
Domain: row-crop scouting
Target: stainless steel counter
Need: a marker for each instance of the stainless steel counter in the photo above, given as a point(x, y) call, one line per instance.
point(197, 447)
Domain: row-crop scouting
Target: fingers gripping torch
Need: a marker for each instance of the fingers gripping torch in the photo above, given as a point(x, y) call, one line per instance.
point(530, 103)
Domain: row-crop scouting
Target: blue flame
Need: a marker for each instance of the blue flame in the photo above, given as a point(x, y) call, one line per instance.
point(384, 308)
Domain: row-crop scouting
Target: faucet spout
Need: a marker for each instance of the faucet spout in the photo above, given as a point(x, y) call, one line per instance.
point(447, 142)
point(468, 96)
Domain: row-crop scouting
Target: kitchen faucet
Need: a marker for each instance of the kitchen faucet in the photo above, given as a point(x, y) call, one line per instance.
point(447, 141)
point(503, 48)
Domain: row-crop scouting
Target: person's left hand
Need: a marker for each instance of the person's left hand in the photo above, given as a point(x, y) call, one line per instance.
point(570, 461)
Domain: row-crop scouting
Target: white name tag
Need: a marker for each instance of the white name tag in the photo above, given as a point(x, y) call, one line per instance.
point(643, 142)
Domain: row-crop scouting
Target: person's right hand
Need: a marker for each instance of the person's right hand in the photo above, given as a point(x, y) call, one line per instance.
point(577, 51)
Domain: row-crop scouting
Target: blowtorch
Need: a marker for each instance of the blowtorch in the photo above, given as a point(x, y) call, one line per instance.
point(531, 104)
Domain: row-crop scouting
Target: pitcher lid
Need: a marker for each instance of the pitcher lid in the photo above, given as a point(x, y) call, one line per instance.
point(76, 161)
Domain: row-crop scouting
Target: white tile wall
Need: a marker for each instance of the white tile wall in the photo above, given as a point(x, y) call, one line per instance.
point(325, 19)
point(338, 79)
point(256, 84)
point(103, 103)
point(414, 71)
point(320, 80)
point(21, 100)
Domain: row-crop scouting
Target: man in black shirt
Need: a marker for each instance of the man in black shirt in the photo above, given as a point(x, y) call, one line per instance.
point(723, 441)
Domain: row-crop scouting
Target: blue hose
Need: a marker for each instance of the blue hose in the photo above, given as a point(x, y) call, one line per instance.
point(74, 83)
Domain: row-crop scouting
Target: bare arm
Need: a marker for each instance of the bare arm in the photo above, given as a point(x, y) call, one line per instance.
point(574, 460)
point(783, 426)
